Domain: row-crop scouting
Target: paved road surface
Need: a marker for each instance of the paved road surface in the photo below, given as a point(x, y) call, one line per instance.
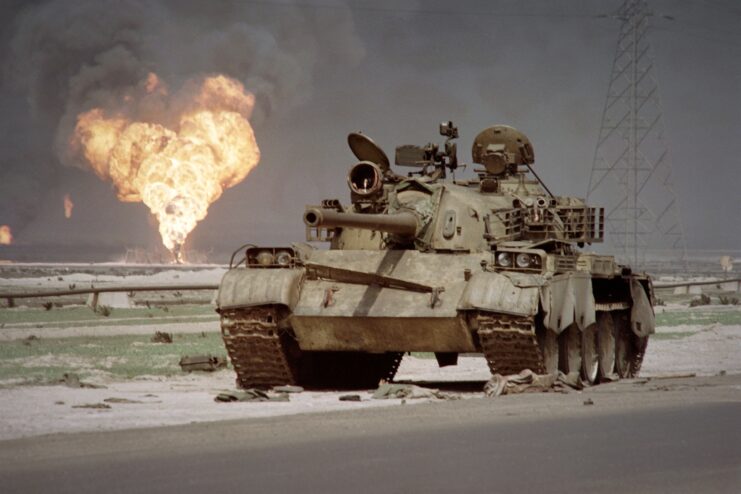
point(533, 443)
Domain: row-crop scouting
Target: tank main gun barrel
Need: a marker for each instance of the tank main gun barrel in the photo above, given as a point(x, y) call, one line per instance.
point(403, 223)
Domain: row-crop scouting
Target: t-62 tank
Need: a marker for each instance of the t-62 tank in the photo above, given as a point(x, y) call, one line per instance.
point(422, 263)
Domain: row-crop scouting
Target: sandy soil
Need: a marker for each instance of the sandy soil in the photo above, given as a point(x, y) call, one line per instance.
point(37, 410)
point(155, 401)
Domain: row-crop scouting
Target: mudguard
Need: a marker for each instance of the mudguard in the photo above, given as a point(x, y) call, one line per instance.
point(568, 299)
point(498, 293)
point(643, 321)
point(245, 287)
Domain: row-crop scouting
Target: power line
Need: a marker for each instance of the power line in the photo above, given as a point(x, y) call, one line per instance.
point(631, 171)
point(396, 10)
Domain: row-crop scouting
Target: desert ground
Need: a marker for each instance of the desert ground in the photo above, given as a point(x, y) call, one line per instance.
point(123, 380)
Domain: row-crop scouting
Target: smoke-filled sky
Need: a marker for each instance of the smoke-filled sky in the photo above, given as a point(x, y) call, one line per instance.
point(320, 69)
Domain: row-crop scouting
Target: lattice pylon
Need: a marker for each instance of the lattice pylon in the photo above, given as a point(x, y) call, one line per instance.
point(631, 173)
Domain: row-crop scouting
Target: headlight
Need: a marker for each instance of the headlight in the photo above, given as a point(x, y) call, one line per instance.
point(270, 257)
point(264, 258)
point(283, 258)
point(523, 260)
point(504, 259)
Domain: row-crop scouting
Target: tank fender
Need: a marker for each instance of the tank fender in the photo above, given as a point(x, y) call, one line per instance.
point(498, 293)
point(643, 321)
point(244, 287)
point(568, 299)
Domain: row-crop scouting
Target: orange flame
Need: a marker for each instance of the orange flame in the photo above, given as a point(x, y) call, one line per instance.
point(68, 205)
point(178, 169)
point(6, 237)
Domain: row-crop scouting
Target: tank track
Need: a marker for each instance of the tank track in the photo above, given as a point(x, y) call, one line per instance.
point(393, 366)
point(636, 345)
point(640, 352)
point(253, 341)
point(266, 355)
point(509, 343)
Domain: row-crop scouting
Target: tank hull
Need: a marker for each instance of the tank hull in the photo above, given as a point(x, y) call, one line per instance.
point(450, 304)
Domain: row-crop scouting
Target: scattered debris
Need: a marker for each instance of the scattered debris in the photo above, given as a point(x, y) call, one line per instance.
point(529, 382)
point(162, 337)
point(390, 391)
point(674, 376)
point(97, 406)
point(588, 401)
point(288, 389)
point(104, 310)
point(722, 373)
point(206, 363)
point(72, 380)
point(30, 339)
point(59, 403)
point(250, 395)
point(121, 400)
point(703, 300)
point(350, 398)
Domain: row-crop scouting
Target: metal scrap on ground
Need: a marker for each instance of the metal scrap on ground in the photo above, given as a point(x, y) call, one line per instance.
point(206, 363)
point(529, 382)
point(73, 381)
point(256, 395)
point(391, 391)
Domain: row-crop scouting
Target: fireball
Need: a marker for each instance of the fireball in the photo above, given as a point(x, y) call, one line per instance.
point(6, 237)
point(68, 205)
point(177, 166)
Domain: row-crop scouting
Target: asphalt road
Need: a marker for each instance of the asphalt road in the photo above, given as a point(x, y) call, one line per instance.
point(545, 443)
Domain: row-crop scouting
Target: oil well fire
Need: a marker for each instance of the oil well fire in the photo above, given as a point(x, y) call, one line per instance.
point(174, 151)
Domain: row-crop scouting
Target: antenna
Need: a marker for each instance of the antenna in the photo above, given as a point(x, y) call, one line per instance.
point(631, 172)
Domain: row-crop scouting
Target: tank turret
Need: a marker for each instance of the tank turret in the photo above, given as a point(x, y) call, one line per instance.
point(508, 202)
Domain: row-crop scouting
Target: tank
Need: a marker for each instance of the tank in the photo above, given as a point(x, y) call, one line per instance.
point(420, 262)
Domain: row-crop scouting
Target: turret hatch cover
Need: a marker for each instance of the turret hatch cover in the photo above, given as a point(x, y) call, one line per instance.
point(365, 149)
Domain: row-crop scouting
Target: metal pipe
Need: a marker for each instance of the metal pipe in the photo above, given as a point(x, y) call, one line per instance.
point(84, 291)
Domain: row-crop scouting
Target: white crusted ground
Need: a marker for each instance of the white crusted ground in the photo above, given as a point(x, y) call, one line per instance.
point(29, 410)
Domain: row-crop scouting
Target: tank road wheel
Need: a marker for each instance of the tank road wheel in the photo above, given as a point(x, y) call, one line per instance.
point(589, 354)
point(569, 342)
point(629, 348)
point(548, 344)
point(606, 346)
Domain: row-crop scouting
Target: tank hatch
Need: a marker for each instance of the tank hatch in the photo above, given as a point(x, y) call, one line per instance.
point(365, 149)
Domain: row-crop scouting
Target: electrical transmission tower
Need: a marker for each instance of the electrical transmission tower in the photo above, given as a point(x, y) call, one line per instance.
point(631, 173)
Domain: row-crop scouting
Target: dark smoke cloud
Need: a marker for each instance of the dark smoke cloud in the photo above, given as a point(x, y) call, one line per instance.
point(65, 58)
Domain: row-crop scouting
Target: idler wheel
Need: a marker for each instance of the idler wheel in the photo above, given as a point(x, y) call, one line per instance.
point(570, 349)
point(606, 344)
point(590, 356)
point(548, 343)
